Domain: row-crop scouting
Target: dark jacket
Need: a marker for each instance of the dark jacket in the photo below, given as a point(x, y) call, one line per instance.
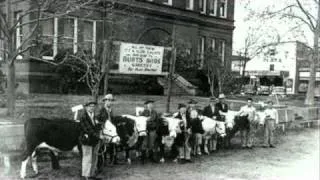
point(222, 108)
point(103, 115)
point(153, 123)
point(89, 130)
point(196, 126)
point(207, 111)
point(179, 116)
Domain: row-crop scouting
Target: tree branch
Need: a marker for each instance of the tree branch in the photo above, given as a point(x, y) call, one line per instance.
point(306, 14)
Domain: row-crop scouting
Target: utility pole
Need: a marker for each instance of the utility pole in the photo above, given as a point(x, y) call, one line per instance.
point(171, 68)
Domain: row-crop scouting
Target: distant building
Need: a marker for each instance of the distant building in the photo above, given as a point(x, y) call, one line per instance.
point(284, 65)
point(199, 24)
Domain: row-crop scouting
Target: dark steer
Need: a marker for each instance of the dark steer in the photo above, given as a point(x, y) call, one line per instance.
point(56, 134)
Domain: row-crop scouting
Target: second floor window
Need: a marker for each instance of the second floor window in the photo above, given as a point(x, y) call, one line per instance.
point(203, 6)
point(167, 2)
point(190, 4)
point(222, 46)
point(271, 67)
point(49, 38)
point(213, 7)
point(223, 8)
point(201, 50)
point(67, 35)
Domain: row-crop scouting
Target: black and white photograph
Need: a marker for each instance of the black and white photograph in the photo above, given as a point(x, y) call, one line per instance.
point(159, 90)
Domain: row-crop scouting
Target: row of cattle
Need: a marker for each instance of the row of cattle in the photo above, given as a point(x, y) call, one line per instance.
point(127, 131)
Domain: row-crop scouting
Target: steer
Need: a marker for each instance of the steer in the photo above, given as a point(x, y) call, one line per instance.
point(167, 133)
point(57, 135)
point(212, 129)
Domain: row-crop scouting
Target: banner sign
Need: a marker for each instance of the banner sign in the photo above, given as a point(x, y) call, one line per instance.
point(140, 59)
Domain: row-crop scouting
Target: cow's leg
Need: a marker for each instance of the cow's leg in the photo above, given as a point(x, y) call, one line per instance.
point(127, 150)
point(205, 144)
point(54, 159)
point(161, 153)
point(214, 142)
point(34, 162)
point(24, 167)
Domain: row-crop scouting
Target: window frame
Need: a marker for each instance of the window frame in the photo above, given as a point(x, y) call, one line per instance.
point(203, 9)
point(225, 8)
point(190, 5)
point(202, 41)
point(168, 2)
point(222, 51)
point(215, 4)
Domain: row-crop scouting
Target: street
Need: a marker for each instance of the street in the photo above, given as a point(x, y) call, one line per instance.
point(296, 157)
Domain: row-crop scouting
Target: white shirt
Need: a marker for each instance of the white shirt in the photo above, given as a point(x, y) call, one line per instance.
point(272, 113)
point(246, 110)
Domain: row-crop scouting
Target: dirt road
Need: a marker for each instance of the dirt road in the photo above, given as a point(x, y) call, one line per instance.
point(296, 157)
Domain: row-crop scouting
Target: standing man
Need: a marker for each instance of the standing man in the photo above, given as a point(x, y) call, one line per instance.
point(90, 140)
point(270, 121)
point(247, 114)
point(182, 140)
point(152, 126)
point(212, 110)
point(106, 114)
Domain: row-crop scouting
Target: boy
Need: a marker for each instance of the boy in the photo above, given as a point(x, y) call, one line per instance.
point(270, 122)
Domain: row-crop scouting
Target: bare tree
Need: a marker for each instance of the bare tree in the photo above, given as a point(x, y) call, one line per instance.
point(305, 17)
point(29, 20)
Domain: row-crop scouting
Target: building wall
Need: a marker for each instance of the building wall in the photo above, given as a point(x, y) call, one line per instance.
point(144, 22)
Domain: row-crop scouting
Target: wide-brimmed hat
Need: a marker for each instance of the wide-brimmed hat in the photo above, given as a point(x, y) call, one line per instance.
point(213, 98)
point(181, 105)
point(108, 97)
point(221, 96)
point(192, 101)
point(90, 103)
point(149, 101)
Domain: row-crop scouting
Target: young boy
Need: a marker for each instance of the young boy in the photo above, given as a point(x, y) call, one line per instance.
point(197, 131)
point(270, 122)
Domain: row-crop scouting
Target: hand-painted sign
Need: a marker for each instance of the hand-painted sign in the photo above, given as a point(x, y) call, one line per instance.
point(140, 59)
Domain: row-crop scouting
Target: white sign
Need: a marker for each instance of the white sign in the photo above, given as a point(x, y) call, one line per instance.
point(140, 59)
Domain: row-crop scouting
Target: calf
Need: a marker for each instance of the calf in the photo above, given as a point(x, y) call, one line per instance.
point(212, 129)
point(57, 135)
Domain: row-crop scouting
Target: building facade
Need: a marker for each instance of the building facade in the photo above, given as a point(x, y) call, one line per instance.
point(199, 25)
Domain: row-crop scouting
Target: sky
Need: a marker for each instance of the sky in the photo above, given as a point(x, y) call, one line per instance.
point(270, 28)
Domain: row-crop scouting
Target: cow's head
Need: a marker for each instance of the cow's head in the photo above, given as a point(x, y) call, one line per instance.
point(109, 133)
point(172, 128)
point(221, 128)
point(125, 128)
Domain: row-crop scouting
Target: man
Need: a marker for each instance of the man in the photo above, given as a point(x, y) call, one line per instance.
point(106, 114)
point(270, 122)
point(90, 140)
point(222, 105)
point(212, 110)
point(152, 126)
point(247, 113)
point(182, 139)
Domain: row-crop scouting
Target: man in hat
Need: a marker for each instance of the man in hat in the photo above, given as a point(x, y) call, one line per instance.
point(182, 139)
point(152, 126)
point(191, 106)
point(270, 121)
point(212, 111)
point(222, 105)
point(106, 114)
point(90, 139)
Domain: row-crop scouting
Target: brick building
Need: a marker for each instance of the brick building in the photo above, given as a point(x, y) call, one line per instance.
point(199, 25)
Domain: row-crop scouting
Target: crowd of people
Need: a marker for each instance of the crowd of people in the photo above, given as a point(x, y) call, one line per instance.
point(191, 128)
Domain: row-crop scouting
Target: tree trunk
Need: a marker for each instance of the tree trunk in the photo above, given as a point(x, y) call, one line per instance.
point(315, 58)
point(11, 88)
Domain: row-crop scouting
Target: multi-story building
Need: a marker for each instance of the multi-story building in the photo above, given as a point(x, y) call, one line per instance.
point(198, 24)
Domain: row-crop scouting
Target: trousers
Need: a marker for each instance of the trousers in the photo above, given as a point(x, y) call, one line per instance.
point(269, 128)
point(89, 160)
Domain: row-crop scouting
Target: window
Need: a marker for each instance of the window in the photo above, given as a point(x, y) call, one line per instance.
point(167, 2)
point(201, 47)
point(271, 67)
point(213, 45)
point(87, 36)
point(68, 36)
point(19, 34)
point(223, 8)
point(222, 45)
point(190, 4)
point(49, 38)
point(202, 6)
point(1, 49)
point(212, 7)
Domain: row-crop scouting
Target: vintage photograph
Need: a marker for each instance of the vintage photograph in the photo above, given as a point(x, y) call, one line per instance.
point(159, 89)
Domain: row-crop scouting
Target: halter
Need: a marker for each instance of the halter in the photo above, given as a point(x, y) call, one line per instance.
point(108, 135)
